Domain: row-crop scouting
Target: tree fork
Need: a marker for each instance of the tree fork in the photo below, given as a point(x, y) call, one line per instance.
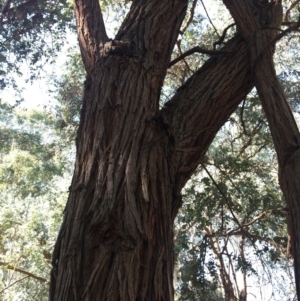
point(116, 240)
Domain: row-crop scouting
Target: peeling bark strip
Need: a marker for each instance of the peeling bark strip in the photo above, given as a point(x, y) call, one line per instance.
point(258, 31)
point(116, 240)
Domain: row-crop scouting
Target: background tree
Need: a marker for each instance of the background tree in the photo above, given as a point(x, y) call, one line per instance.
point(31, 34)
point(35, 165)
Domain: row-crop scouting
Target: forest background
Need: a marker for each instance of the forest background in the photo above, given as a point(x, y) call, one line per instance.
point(231, 233)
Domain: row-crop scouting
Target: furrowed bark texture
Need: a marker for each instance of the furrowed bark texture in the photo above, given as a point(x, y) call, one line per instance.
point(282, 124)
point(116, 240)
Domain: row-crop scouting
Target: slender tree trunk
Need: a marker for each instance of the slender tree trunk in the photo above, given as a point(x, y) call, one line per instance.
point(225, 276)
point(243, 292)
point(282, 124)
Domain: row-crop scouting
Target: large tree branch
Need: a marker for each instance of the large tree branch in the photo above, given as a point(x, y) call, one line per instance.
point(283, 126)
point(204, 103)
point(91, 31)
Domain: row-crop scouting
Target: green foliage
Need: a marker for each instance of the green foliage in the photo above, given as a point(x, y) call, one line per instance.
point(31, 34)
point(68, 90)
point(237, 187)
point(29, 155)
point(35, 170)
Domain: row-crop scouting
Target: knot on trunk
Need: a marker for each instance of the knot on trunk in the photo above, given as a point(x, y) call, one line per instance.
point(115, 47)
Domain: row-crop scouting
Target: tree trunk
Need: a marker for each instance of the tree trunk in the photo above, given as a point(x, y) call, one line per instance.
point(116, 240)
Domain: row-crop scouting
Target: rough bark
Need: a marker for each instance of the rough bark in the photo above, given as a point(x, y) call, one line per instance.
point(260, 37)
point(116, 240)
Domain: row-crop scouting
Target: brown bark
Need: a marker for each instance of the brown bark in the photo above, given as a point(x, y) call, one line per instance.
point(225, 277)
point(116, 240)
point(283, 127)
point(243, 292)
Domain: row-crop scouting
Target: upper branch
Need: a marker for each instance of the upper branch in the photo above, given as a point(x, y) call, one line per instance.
point(91, 30)
point(204, 103)
point(152, 26)
point(261, 39)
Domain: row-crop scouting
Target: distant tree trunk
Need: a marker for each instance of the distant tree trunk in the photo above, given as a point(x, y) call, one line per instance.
point(227, 284)
point(133, 159)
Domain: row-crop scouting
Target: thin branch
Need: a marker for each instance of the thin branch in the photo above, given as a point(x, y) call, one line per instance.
point(197, 49)
point(221, 39)
point(294, 27)
point(185, 62)
point(259, 217)
point(285, 32)
point(11, 267)
point(228, 177)
point(232, 268)
point(191, 17)
point(256, 130)
point(271, 241)
point(286, 16)
point(243, 292)
point(225, 277)
point(19, 280)
point(242, 119)
point(210, 19)
point(288, 23)
point(224, 196)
